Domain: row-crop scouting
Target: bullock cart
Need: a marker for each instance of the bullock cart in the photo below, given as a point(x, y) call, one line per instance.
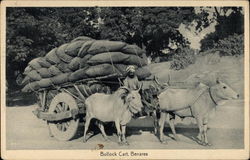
point(63, 107)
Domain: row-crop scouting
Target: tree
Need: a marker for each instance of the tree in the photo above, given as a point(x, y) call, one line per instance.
point(230, 20)
point(152, 27)
point(34, 31)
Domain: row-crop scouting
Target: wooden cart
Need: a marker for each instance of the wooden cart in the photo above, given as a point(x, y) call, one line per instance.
point(63, 106)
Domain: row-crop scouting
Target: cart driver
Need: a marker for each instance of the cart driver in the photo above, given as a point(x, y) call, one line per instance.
point(131, 81)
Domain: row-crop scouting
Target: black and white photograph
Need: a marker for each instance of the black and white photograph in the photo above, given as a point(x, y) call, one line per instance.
point(122, 81)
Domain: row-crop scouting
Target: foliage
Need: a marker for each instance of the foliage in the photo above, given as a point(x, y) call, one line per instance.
point(233, 45)
point(230, 20)
point(32, 32)
point(152, 27)
point(183, 57)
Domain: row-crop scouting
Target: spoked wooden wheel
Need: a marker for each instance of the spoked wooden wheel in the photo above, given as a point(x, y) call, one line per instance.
point(66, 129)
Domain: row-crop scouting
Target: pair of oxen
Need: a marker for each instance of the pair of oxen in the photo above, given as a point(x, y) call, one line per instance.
point(119, 107)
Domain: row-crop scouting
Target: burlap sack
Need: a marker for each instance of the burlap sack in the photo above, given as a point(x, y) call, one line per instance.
point(101, 70)
point(44, 83)
point(60, 79)
point(51, 57)
point(26, 80)
point(30, 87)
point(64, 57)
point(84, 48)
point(44, 73)
point(78, 75)
point(34, 75)
point(81, 38)
point(74, 47)
point(133, 49)
point(34, 64)
point(27, 70)
point(108, 57)
point(142, 73)
point(62, 48)
point(63, 67)
point(74, 64)
point(43, 62)
point(100, 46)
point(54, 70)
point(83, 61)
point(135, 60)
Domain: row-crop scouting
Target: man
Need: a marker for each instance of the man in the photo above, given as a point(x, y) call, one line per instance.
point(131, 81)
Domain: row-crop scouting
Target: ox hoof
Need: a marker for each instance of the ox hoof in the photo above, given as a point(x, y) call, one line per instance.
point(208, 144)
point(51, 135)
point(120, 143)
point(106, 139)
point(204, 144)
point(163, 142)
point(176, 138)
point(84, 141)
point(126, 143)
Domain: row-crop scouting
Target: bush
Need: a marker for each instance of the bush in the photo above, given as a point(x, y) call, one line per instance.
point(183, 58)
point(233, 45)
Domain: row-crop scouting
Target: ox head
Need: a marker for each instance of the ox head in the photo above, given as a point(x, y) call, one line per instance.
point(223, 92)
point(133, 99)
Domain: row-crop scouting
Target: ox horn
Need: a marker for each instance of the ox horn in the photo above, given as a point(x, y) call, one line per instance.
point(218, 80)
point(156, 80)
point(126, 88)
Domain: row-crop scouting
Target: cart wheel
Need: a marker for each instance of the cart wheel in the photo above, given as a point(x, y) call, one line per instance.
point(66, 129)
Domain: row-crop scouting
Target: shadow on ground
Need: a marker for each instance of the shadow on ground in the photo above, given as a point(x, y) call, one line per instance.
point(130, 131)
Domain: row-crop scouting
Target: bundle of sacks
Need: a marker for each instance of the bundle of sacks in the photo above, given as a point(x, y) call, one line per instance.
point(84, 58)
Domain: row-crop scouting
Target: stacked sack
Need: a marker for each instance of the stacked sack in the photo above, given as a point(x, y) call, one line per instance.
point(83, 58)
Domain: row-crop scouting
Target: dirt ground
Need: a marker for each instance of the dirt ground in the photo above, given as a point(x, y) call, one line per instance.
point(226, 131)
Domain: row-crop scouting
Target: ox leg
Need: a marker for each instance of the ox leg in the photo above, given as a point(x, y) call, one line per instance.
point(156, 125)
point(161, 125)
point(101, 127)
point(50, 133)
point(171, 119)
point(86, 127)
point(118, 128)
point(205, 131)
point(124, 140)
point(200, 135)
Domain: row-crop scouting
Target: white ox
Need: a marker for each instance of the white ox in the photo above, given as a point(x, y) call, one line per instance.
point(196, 102)
point(117, 107)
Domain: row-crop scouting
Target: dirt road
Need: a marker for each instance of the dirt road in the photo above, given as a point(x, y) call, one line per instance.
point(25, 131)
